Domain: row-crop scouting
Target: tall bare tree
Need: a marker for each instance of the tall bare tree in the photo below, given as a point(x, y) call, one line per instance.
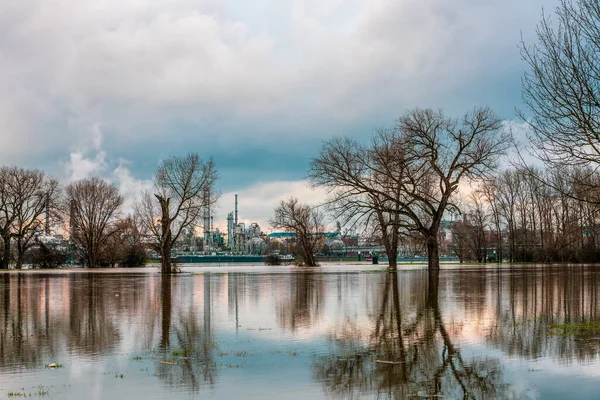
point(93, 205)
point(561, 87)
point(303, 220)
point(428, 155)
point(364, 184)
point(37, 200)
point(448, 151)
point(25, 195)
point(181, 185)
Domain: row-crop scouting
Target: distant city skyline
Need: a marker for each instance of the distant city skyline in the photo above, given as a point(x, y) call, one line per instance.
point(107, 88)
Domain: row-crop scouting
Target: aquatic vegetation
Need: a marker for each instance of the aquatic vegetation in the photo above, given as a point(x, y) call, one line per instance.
point(574, 329)
point(41, 392)
point(181, 353)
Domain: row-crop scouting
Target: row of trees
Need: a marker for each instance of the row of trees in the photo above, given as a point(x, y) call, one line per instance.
point(402, 183)
point(530, 214)
point(31, 202)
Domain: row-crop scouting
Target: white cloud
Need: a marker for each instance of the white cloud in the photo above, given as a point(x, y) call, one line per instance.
point(87, 159)
point(129, 187)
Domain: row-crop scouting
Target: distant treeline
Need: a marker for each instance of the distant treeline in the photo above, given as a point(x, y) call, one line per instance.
point(531, 214)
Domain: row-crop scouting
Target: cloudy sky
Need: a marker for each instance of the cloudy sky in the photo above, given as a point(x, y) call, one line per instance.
point(109, 87)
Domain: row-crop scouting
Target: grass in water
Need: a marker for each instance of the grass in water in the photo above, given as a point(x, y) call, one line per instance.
point(575, 329)
point(181, 353)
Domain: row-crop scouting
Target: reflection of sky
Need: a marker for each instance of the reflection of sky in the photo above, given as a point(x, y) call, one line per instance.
point(279, 358)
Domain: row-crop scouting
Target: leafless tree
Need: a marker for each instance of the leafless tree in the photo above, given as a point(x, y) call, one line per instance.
point(479, 221)
point(461, 234)
point(37, 197)
point(415, 168)
point(561, 87)
point(489, 190)
point(25, 195)
point(448, 151)
point(93, 205)
point(183, 187)
point(303, 220)
point(365, 183)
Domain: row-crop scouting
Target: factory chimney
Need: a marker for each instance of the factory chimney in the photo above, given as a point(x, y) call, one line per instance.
point(236, 212)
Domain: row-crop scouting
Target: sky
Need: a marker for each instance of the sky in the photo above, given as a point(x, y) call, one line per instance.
point(110, 87)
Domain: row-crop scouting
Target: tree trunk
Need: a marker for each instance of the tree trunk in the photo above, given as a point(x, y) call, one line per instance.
point(166, 242)
point(165, 258)
point(6, 255)
point(392, 253)
point(20, 254)
point(309, 257)
point(433, 253)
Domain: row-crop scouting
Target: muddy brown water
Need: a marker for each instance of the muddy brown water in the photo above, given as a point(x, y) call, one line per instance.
point(339, 331)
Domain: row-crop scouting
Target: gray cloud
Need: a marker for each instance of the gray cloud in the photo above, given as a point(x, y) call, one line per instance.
point(246, 82)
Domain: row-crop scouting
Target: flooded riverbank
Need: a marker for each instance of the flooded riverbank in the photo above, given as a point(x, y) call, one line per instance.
point(337, 331)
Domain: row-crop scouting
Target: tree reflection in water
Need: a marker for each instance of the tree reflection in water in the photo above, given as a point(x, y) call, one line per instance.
point(407, 354)
point(535, 307)
point(396, 338)
point(305, 302)
point(186, 356)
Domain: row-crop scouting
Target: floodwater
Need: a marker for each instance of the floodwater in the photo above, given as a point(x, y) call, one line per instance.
point(339, 331)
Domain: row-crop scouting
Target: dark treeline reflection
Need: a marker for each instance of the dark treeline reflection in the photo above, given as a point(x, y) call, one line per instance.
point(407, 350)
point(535, 310)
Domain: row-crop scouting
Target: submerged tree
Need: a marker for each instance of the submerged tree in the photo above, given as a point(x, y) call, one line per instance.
point(304, 221)
point(183, 187)
point(365, 185)
point(415, 169)
point(38, 204)
point(25, 195)
point(93, 205)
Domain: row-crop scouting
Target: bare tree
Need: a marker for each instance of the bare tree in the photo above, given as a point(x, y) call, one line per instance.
point(415, 168)
point(365, 184)
point(25, 195)
point(561, 88)
point(489, 189)
point(183, 187)
point(303, 220)
point(93, 205)
point(9, 178)
point(479, 221)
point(37, 200)
point(446, 151)
point(461, 234)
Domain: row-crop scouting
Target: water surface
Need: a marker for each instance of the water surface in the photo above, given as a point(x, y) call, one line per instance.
point(339, 331)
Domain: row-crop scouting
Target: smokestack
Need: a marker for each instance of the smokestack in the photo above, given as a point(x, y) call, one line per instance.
point(236, 211)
